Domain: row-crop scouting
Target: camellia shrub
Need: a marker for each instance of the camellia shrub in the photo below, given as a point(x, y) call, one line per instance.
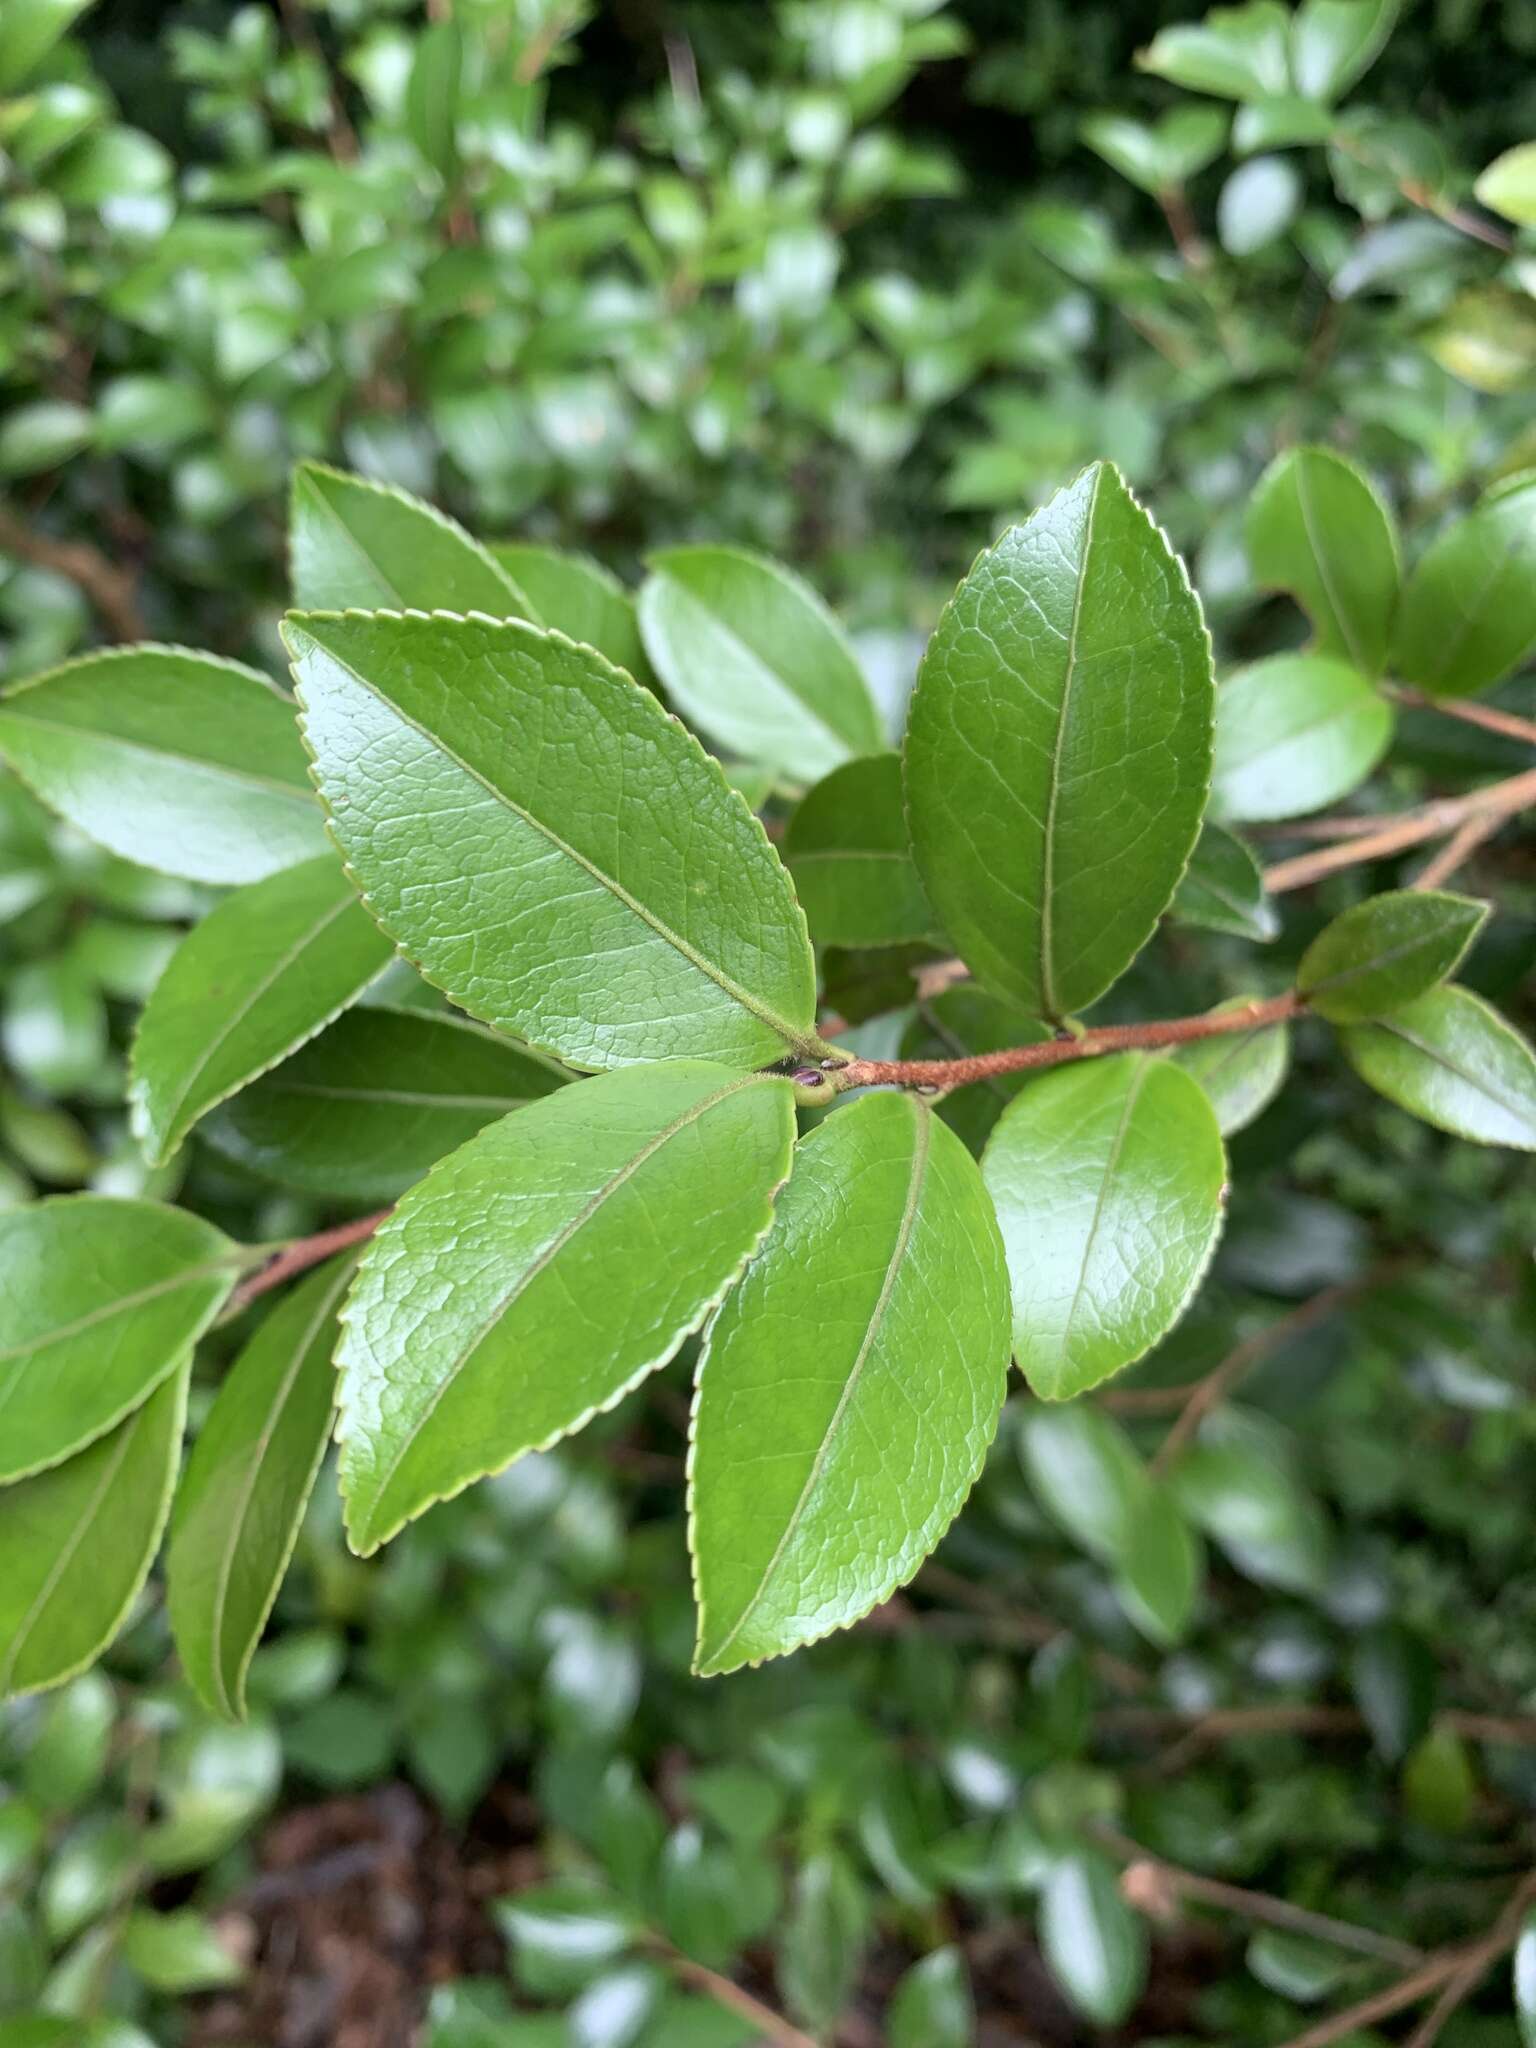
point(503, 946)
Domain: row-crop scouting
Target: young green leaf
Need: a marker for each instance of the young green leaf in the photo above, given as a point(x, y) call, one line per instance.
point(1059, 751)
point(822, 1945)
point(1384, 952)
point(1094, 1944)
point(579, 598)
point(364, 1109)
point(1158, 157)
point(246, 1485)
point(862, 1356)
point(848, 852)
point(543, 1270)
point(1508, 184)
point(755, 659)
point(1104, 1172)
point(1294, 733)
point(79, 1540)
point(1223, 890)
point(932, 2007)
point(1468, 614)
point(1241, 1072)
point(1334, 41)
point(370, 546)
point(1317, 529)
point(100, 1300)
point(1160, 1568)
point(1087, 1474)
point(263, 972)
point(548, 845)
point(177, 761)
point(1450, 1059)
point(1237, 53)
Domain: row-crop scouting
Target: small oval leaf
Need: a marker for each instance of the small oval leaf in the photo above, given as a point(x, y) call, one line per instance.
point(1317, 529)
point(1384, 952)
point(1294, 733)
point(1452, 1060)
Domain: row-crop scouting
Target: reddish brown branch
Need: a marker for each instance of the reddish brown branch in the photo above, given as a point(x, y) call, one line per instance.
point(110, 590)
point(1488, 716)
point(299, 1256)
point(1437, 820)
point(1106, 1038)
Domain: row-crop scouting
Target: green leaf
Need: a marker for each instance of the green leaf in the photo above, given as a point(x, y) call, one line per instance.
point(29, 31)
point(1387, 951)
point(579, 598)
point(69, 1757)
point(1317, 529)
point(100, 1300)
point(549, 846)
point(1294, 733)
point(851, 860)
point(563, 1253)
point(246, 1485)
point(1240, 1072)
point(752, 656)
point(1094, 1945)
point(1334, 41)
point(821, 1948)
point(1087, 1474)
point(1223, 890)
point(261, 974)
point(1258, 202)
point(1158, 158)
point(562, 1933)
point(177, 1952)
point(1234, 1486)
point(432, 96)
point(1237, 53)
point(882, 1272)
point(78, 1542)
point(369, 1105)
point(1392, 1676)
point(177, 761)
point(1439, 1783)
point(932, 2006)
point(1295, 1966)
point(1508, 185)
point(1468, 614)
point(1059, 749)
point(1103, 1169)
point(1160, 1568)
point(370, 546)
point(1450, 1059)
point(54, 1028)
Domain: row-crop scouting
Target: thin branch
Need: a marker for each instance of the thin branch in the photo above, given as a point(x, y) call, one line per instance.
point(1222, 1724)
point(1488, 716)
point(772, 2026)
point(1438, 1970)
point(1219, 1382)
point(1434, 820)
point(1461, 218)
point(1458, 849)
point(299, 1256)
point(1155, 1886)
point(945, 1074)
point(111, 591)
point(1187, 238)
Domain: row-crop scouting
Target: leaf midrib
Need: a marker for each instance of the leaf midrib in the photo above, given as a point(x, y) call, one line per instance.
point(791, 1034)
point(95, 735)
point(923, 1138)
point(750, 658)
point(539, 1264)
point(1111, 1164)
point(1324, 571)
point(1053, 794)
point(1518, 1111)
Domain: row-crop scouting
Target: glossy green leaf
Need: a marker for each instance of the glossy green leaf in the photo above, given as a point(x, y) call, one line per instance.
point(1108, 1177)
point(1450, 1059)
point(751, 655)
point(1508, 185)
point(177, 1951)
point(177, 761)
point(364, 1109)
point(100, 1300)
point(1296, 1966)
point(1334, 41)
point(1058, 753)
point(543, 1270)
point(1235, 1486)
point(29, 31)
point(1160, 1568)
point(432, 97)
point(1258, 202)
point(1158, 157)
point(1223, 890)
point(1440, 1783)
point(1468, 614)
point(579, 598)
point(932, 2006)
point(1237, 53)
point(53, 1030)
point(1294, 733)
point(821, 1947)
point(246, 1485)
point(1087, 1475)
point(1094, 1945)
point(1241, 1072)
point(1386, 951)
point(882, 1274)
point(353, 543)
point(266, 970)
point(848, 852)
point(1525, 1981)
point(1317, 529)
point(79, 1540)
point(1392, 1676)
point(548, 845)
